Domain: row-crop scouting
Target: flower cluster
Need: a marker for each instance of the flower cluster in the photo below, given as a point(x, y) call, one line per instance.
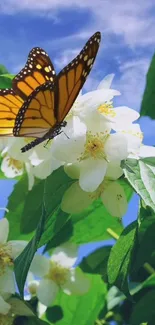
point(8, 252)
point(56, 273)
point(91, 147)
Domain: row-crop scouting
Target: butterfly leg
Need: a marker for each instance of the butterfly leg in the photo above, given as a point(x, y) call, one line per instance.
point(52, 133)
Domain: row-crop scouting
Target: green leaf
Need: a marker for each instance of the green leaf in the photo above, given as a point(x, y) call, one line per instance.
point(3, 70)
point(142, 179)
point(150, 281)
point(54, 314)
point(5, 81)
point(92, 224)
point(32, 208)
point(149, 160)
point(96, 262)
point(148, 102)
point(121, 257)
point(61, 236)
point(145, 248)
point(83, 309)
point(29, 321)
point(15, 206)
point(143, 310)
point(23, 261)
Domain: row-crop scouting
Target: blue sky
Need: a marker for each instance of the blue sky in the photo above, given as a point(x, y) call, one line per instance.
point(62, 27)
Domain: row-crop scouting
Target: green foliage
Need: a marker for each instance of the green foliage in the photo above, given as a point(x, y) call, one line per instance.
point(148, 102)
point(84, 309)
point(144, 311)
point(120, 259)
point(96, 263)
point(141, 176)
point(5, 78)
point(23, 262)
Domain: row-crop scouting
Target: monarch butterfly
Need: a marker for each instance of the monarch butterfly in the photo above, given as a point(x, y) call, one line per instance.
point(39, 100)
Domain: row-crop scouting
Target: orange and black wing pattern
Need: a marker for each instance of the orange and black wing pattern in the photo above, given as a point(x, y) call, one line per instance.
point(42, 114)
point(70, 80)
point(38, 69)
point(10, 103)
point(37, 114)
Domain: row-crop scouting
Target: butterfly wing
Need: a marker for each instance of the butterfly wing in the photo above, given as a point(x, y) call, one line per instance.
point(71, 79)
point(47, 106)
point(37, 115)
point(38, 69)
point(10, 103)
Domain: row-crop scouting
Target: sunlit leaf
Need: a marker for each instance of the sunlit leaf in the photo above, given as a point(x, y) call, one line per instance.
point(142, 179)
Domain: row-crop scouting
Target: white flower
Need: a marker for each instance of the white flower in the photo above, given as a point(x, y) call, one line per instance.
point(8, 252)
point(96, 110)
point(58, 273)
point(112, 194)
point(42, 161)
point(86, 105)
point(91, 151)
point(15, 162)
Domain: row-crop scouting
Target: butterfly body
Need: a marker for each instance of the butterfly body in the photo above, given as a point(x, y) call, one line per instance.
point(40, 99)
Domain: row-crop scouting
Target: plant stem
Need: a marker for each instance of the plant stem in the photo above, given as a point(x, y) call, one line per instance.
point(112, 233)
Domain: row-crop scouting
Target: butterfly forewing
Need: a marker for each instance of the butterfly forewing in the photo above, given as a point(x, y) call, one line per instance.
point(38, 69)
point(10, 103)
point(71, 79)
point(37, 115)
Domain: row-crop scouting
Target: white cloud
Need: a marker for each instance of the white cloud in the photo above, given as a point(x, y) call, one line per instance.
point(65, 57)
point(130, 19)
point(132, 82)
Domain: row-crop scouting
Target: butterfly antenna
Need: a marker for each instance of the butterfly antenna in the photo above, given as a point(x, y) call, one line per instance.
point(66, 135)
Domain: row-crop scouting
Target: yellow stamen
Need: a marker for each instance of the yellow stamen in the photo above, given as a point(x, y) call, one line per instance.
point(5, 258)
point(107, 109)
point(94, 146)
point(16, 164)
point(57, 273)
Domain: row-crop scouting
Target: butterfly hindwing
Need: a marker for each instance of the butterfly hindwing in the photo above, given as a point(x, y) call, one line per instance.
point(38, 69)
point(10, 103)
point(71, 79)
point(37, 115)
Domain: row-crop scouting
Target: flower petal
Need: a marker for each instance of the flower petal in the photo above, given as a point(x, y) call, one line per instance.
point(65, 255)
point(124, 117)
point(4, 306)
point(92, 173)
point(4, 230)
point(72, 170)
point(7, 282)
point(147, 151)
point(93, 99)
point(75, 199)
point(17, 247)
point(69, 149)
point(106, 82)
point(116, 147)
point(40, 265)
point(78, 283)
point(47, 291)
point(30, 175)
point(114, 171)
point(45, 168)
point(114, 199)
point(134, 137)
